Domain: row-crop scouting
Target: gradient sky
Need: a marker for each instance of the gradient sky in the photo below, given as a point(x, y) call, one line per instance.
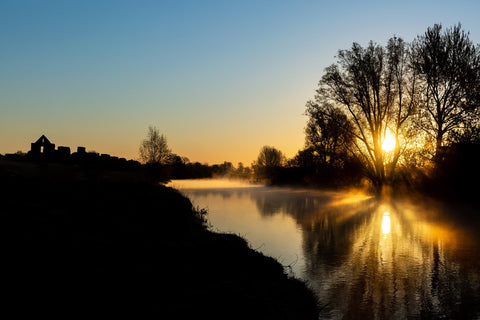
point(219, 78)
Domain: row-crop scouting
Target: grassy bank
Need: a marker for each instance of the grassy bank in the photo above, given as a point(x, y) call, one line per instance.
point(106, 243)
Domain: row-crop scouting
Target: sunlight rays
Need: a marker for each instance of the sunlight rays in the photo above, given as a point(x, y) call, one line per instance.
point(388, 142)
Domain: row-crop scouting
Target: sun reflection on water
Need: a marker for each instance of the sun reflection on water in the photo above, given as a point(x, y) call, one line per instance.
point(386, 258)
point(386, 223)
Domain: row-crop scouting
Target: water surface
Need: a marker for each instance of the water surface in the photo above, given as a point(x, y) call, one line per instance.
point(365, 258)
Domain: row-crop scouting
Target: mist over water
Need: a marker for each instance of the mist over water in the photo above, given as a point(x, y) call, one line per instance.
point(365, 258)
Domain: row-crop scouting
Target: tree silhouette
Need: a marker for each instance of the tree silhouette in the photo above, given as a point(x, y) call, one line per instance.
point(154, 148)
point(449, 66)
point(270, 157)
point(268, 162)
point(328, 133)
point(376, 90)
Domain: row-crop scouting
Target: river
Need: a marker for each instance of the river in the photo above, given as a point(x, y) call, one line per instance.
point(365, 258)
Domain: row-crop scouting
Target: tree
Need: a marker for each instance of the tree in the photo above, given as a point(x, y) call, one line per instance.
point(328, 133)
point(270, 157)
point(376, 90)
point(305, 159)
point(268, 162)
point(154, 148)
point(449, 66)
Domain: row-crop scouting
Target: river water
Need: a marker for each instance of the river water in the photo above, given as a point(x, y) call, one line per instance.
point(365, 258)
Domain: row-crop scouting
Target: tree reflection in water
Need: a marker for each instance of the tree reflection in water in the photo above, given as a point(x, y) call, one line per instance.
point(374, 259)
point(392, 263)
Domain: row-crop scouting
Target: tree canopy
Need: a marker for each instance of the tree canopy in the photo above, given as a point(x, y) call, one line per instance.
point(270, 157)
point(375, 90)
point(269, 160)
point(448, 64)
point(154, 148)
point(384, 104)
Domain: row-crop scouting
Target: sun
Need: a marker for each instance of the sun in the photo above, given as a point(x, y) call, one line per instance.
point(388, 142)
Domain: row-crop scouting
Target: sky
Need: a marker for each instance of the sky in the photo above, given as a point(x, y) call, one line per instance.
point(220, 79)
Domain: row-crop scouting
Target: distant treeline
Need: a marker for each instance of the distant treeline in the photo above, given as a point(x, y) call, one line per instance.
point(162, 164)
point(454, 173)
point(171, 167)
point(182, 168)
point(305, 168)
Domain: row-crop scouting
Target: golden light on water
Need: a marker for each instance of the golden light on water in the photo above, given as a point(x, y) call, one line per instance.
point(211, 184)
point(389, 252)
point(388, 142)
point(386, 223)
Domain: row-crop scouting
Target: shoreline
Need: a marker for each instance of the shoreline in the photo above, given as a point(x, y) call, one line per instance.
point(112, 244)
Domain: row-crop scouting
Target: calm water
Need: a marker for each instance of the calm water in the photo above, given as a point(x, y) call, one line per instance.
point(365, 258)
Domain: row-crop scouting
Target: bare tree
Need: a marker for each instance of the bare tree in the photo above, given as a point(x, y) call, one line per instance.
point(376, 89)
point(405, 99)
point(449, 66)
point(154, 148)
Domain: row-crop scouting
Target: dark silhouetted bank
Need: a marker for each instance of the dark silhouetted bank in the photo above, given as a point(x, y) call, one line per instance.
point(111, 244)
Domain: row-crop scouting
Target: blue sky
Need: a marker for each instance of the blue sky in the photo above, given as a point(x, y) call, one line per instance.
point(219, 78)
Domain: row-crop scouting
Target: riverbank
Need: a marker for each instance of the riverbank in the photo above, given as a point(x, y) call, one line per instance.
point(108, 244)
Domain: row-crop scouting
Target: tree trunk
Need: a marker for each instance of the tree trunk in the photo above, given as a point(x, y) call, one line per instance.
point(438, 144)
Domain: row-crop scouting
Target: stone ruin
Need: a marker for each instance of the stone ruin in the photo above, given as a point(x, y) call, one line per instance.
point(43, 150)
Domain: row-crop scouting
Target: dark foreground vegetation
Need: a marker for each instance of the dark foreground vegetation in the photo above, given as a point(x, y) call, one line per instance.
point(77, 242)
